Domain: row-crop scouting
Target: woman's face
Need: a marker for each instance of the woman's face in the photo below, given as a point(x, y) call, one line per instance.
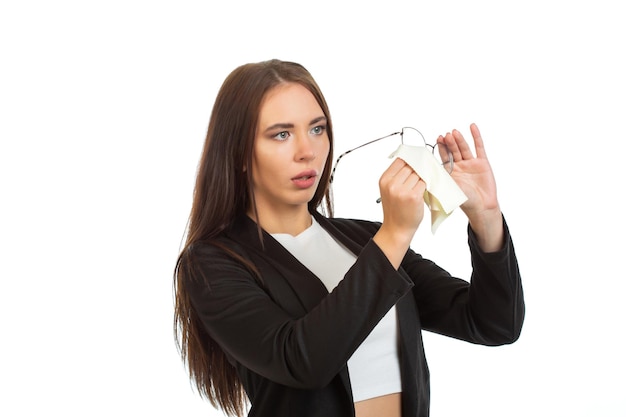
point(290, 149)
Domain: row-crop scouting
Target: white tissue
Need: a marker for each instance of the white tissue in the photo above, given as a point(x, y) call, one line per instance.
point(442, 194)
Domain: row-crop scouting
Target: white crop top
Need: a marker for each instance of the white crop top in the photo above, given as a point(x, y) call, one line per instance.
point(374, 367)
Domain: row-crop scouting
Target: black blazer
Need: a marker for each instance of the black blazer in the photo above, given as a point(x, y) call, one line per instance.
point(290, 340)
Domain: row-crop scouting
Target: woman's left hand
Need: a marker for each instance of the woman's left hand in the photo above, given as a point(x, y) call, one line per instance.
point(473, 174)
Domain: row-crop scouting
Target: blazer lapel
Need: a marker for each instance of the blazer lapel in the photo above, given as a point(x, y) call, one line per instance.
point(350, 244)
point(306, 285)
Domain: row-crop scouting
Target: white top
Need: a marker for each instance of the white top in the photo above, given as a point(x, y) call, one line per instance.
point(374, 367)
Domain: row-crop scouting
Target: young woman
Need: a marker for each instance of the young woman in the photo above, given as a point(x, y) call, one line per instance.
point(301, 314)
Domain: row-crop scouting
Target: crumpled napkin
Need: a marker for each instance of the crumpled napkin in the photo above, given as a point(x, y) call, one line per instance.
point(442, 194)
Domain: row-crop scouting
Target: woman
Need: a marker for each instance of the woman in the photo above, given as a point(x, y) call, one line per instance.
point(303, 314)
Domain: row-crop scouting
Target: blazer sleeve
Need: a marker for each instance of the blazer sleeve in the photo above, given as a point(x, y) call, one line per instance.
point(488, 310)
point(301, 352)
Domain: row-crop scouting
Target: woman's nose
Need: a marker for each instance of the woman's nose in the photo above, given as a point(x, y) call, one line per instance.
point(305, 149)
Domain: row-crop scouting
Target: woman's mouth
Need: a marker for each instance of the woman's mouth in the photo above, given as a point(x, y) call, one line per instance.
point(305, 179)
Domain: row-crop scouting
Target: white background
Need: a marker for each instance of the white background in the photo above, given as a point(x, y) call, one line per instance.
point(103, 111)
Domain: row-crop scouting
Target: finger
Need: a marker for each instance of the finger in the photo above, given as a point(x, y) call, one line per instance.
point(406, 175)
point(466, 151)
point(420, 187)
point(412, 180)
point(395, 167)
point(453, 147)
point(445, 155)
point(478, 141)
point(397, 173)
point(401, 170)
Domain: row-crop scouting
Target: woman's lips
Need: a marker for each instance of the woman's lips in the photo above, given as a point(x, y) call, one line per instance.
point(305, 179)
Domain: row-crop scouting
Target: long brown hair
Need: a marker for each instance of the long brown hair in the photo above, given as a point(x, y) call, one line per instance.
point(221, 193)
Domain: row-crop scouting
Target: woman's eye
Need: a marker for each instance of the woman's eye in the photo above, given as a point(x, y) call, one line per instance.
point(282, 135)
point(318, 130)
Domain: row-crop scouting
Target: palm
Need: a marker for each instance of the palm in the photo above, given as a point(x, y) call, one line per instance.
point(476, 180)
point(473, 174)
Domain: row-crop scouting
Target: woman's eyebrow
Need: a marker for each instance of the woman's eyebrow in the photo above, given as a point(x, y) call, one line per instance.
point(279, 126)
point(317, 120)
point(291, 125)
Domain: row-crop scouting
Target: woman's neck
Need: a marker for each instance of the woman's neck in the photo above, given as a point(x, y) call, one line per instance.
point(291, 222)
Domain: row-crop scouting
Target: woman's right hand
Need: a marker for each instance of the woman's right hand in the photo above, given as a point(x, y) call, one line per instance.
point(402, 197)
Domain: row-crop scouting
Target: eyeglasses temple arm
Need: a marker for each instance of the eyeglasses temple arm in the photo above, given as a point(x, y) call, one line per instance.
point(332, 174)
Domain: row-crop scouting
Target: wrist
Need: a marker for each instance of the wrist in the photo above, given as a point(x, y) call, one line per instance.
point(393, 244)
point(489, 229)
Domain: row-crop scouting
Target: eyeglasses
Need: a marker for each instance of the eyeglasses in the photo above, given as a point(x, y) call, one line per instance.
point(443, 154)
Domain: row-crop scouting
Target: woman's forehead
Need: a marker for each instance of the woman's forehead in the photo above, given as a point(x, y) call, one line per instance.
point(289, 103)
